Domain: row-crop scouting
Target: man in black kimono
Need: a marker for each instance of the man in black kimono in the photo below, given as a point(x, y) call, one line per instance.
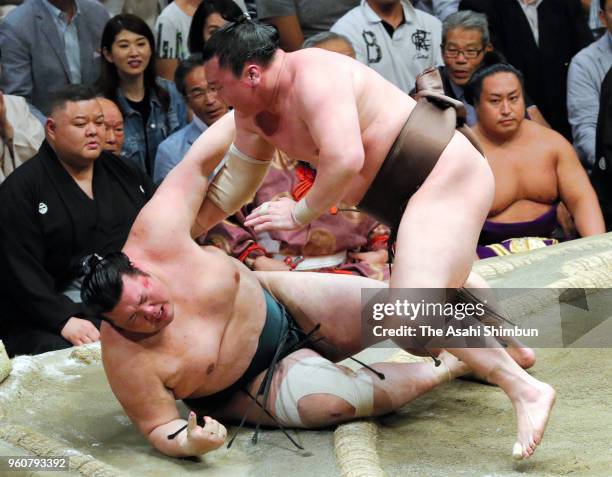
point(68, 201)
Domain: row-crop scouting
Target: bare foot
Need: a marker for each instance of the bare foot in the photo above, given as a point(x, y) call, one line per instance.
point(532, 406)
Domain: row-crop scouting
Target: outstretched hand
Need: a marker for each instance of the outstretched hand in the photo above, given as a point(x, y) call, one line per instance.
point(200, 440)
point(273, 215)
point(79, 331)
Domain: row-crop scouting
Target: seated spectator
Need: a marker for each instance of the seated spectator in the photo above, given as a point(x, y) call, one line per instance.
point(342, 241)
point(113, 122)
point(535, 168)
point(465, 48)
point(152, 108)
point(539, 38)
point(586, 73)
point(190, 80)
point(331, 41)
point(207, 19)
point(20, 133)
point(393, 38)
point(47, 44)
point(57, 208)
point(298, 20)
point(438, 8)
point(172, 32)
point(601, 176)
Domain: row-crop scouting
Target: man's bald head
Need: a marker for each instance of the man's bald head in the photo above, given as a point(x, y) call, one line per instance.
point(113, 121)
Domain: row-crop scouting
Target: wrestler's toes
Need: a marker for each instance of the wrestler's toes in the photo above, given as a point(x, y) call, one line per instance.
point(527, 451)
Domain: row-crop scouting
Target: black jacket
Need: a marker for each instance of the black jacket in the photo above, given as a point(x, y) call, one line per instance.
point(601, 177)
point(563, 32)
point(48, 224)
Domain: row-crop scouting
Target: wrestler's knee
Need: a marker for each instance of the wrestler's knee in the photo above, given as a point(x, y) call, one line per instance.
point(316, 393)
point(320, 410)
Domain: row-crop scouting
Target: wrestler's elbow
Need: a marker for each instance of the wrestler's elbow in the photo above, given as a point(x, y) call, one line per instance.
point(351, 162)
point(588, 218)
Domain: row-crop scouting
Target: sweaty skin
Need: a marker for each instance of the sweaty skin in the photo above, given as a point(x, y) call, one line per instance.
point(359, 124)
point(342, 117)
point(533, 166)
point(191, 325)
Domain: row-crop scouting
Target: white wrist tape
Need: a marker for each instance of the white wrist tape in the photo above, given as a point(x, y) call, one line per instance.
point(237, 181)
point(302, 214)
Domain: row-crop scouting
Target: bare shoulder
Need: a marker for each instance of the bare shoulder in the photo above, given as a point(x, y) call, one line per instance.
point(124, 360)
point(322, 80)
point(312, 67)
point(116, 347)
point(544, 135)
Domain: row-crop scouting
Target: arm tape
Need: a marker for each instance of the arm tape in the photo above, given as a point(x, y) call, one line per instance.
point(302, 214)
point(237, 181)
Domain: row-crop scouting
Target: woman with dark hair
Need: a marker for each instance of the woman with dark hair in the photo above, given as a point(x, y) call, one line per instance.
point(207, 19)
point(152, 107)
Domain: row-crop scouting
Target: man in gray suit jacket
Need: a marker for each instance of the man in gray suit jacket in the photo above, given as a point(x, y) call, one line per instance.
point(584, 78)
point(47, 44)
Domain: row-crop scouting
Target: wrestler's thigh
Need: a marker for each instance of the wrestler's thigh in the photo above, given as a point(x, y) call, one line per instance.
point(333, 301)
point(314, 409)
point(463, 177)
point(439, 230)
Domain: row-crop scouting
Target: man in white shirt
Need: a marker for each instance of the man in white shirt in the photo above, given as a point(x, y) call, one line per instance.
point(393, 38)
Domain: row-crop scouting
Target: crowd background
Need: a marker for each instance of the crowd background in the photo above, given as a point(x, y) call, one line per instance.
point(99, 100)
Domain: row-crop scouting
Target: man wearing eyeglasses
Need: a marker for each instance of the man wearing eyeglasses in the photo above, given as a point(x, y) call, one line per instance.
point(465, 41)
point(393, 38)
point(202, 99)
point(539, 38)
